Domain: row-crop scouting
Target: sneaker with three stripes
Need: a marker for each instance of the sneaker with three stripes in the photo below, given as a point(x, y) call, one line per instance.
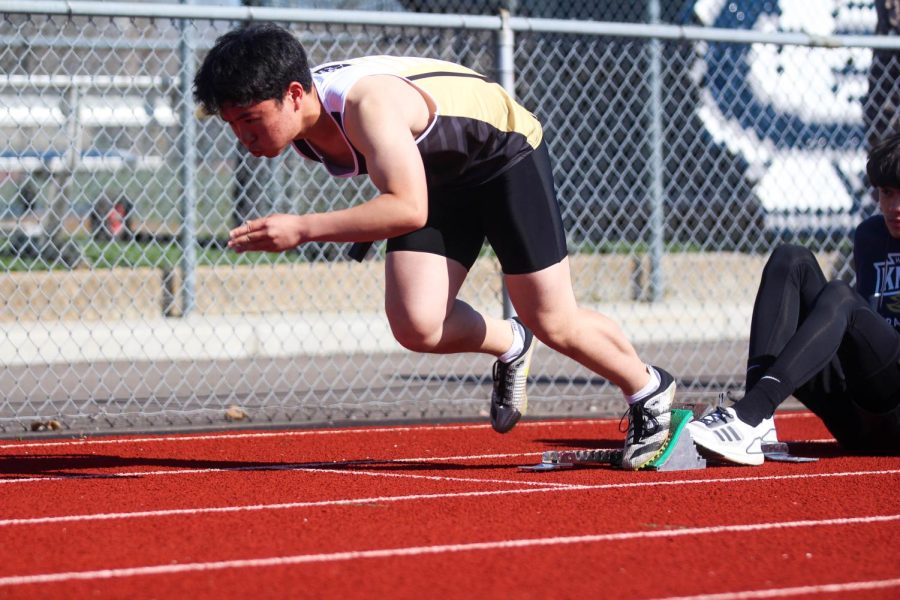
point(723, 434)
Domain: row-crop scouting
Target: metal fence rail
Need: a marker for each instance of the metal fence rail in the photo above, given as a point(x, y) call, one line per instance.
point(683, 154)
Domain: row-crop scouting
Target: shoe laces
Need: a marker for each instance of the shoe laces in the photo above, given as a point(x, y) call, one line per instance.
point(640, 419)
point(719, 414)
point(501, 379)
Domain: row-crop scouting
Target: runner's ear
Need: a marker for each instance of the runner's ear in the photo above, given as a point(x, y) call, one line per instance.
point(294, 93)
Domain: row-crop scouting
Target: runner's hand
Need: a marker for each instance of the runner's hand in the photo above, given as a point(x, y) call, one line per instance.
point(275, 233)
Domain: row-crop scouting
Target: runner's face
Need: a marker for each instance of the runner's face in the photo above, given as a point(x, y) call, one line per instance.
point(265, 128)
point(889, 202)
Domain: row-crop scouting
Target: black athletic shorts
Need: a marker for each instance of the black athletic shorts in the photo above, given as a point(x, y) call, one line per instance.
point(516, 212)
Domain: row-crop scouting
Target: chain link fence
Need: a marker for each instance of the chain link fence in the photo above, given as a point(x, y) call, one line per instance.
point(683, 154)
point(629, 11)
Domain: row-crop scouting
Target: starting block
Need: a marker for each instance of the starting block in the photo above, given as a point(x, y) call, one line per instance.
point(680, 453)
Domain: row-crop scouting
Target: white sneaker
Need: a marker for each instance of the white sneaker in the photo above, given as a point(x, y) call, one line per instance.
point(725, 435)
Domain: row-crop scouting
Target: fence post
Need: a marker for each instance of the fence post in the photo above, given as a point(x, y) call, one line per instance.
point(657, 190)
point(507, 78)
point(187, 233)
point(60, 195)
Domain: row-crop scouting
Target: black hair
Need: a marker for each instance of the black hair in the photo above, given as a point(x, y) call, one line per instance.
point(883, 165)
point(251, 64)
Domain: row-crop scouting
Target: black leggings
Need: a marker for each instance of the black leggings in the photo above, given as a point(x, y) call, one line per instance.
point(820, 341)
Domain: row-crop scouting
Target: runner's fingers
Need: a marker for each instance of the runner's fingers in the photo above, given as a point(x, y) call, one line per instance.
point(241, 230)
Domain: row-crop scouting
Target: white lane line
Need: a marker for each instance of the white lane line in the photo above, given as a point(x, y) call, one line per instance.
point(315, 466)
point(291, 433)
point(278, 561)
point(539, 484)
point(803, 590)
point(407, 498)
point(298, 467)
point(256, 507)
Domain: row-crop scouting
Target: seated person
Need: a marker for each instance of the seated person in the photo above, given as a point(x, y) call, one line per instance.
point(835, 349)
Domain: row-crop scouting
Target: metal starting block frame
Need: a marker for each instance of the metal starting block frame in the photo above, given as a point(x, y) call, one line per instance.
point(779, 452)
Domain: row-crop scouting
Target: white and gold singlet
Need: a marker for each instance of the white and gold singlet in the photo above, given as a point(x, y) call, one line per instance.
point(477, 130)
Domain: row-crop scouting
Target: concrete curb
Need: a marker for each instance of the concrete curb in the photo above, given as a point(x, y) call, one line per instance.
point(309, 334)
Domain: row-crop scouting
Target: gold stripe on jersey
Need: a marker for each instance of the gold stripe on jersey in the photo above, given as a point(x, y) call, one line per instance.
point(479, 132)
point(473, 96)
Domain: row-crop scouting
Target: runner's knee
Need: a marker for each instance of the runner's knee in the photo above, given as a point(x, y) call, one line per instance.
point(787, 257)
point(416, 332)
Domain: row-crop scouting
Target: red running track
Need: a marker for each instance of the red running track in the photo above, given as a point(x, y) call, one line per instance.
point(437, 512)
